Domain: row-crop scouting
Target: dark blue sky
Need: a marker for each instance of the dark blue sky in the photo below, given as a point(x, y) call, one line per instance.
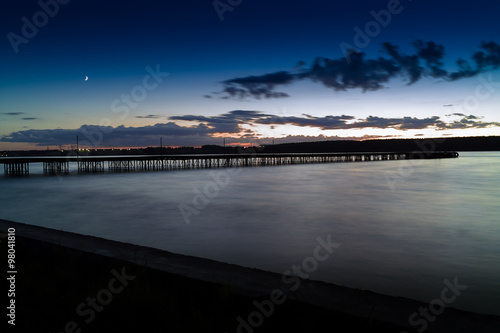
point(238, 77)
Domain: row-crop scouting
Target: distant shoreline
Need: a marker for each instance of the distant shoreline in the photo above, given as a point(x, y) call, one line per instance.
point(478, 143)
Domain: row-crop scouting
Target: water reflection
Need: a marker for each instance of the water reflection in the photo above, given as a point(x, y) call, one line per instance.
point(441, 222)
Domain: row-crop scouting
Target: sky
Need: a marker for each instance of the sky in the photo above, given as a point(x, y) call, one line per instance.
point(125, 74)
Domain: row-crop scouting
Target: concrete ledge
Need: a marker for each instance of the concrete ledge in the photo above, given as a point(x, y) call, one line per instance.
point(259, 284)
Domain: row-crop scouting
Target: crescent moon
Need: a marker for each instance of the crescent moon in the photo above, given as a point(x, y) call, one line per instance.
point(86, 78)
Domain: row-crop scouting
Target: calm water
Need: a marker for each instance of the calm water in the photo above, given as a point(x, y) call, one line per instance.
point(441, 222)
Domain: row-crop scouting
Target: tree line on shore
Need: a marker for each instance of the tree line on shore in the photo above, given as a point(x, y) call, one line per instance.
point(480, 143)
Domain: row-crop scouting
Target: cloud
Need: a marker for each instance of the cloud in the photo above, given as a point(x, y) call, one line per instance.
point(464, 116)
point(404, 123)
point(409, 66)
point(226, 123)
point(13, 113)
point(489, 57)
point(432, 54)
point(312, 138)
point(343, 122)
point(469, 122)
point(93, 135)
point(324, 123)
point(149, 116)
point(29, 118)
point(365, 74)
point(473, 117)
point(233, 120)
point(257, 86)
point(207, 129)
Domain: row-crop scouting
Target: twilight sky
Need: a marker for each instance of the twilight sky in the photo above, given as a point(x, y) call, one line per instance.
point(193, 72)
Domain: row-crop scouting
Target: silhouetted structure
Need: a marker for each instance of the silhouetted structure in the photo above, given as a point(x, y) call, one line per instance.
point(19, 166)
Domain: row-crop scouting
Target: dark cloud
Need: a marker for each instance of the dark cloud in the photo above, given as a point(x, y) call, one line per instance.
point(469, 122)
point(404, 123)
point(13, 113)
point(42, 137)
point(366, 74)
point(408, 64)
point(29, 118)
point(331, 122)
point(257, 86)
point(311, 138)
point(226, 123)
point(464, 116)
point(229, 117)
point(92, 135)
point(488, 57)
point(236, 122)
point(325, 123)
point(149, 116)
point(358, 73)
point(432, 54)
point(465, 70)
point(472, 117)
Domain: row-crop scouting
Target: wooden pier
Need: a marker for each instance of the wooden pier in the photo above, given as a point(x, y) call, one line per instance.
point(19, 166)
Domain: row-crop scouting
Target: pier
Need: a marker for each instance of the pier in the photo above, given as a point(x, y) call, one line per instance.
point(19, 166)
